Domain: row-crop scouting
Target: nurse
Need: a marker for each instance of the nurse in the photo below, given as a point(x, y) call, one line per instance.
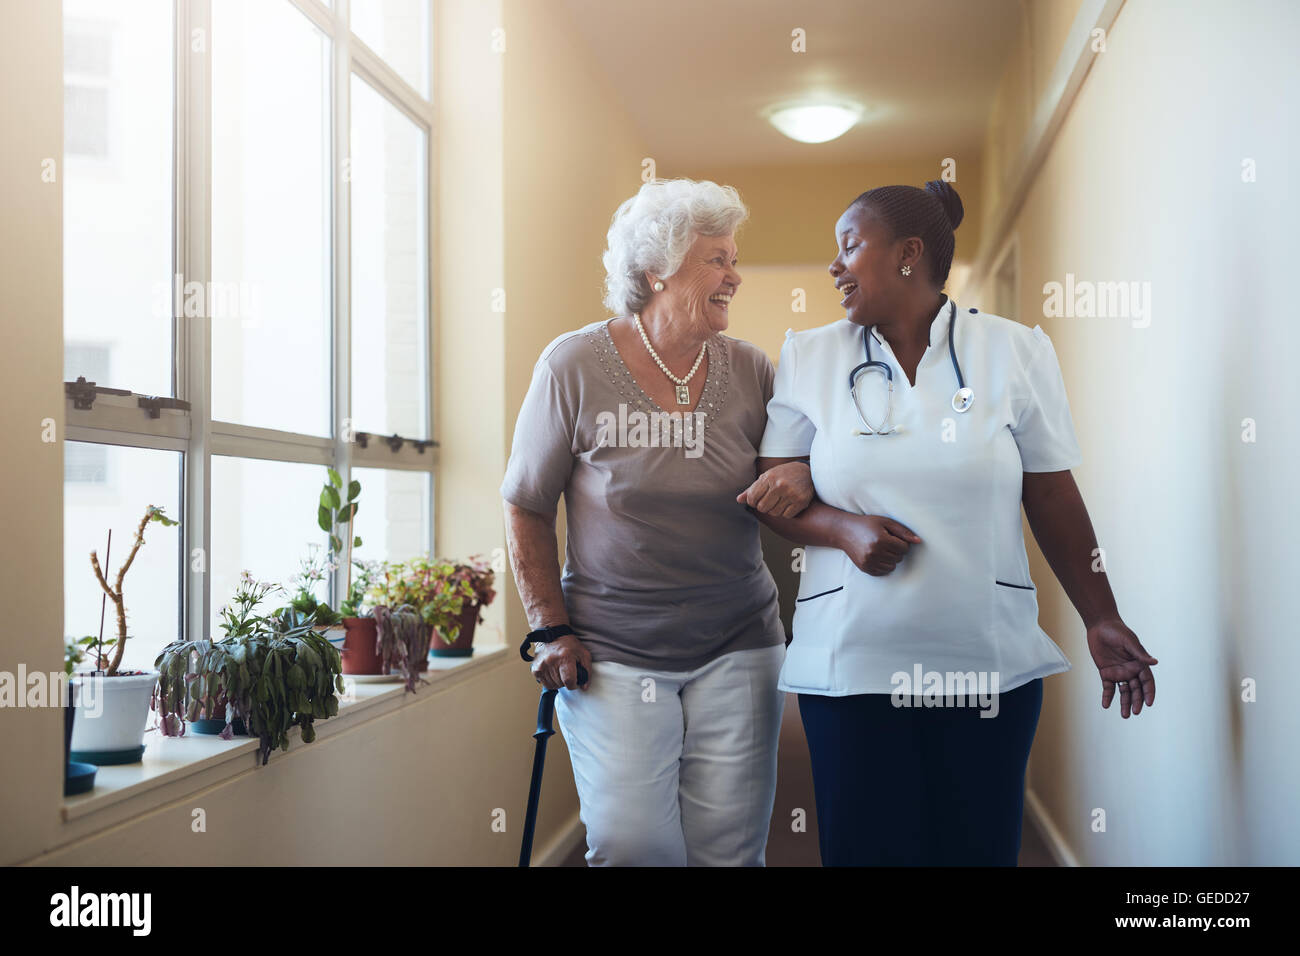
point(917, 655)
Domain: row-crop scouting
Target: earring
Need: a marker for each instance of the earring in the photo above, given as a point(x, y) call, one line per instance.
point(658, 287)
point(906, 270)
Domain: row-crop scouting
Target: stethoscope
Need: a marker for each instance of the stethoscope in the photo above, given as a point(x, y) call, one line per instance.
point(961, 399)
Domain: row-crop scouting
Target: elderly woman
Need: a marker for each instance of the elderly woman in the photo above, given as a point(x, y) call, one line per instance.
point(649, 424)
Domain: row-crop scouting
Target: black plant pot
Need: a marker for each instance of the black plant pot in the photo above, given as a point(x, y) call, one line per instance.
point(77, 777)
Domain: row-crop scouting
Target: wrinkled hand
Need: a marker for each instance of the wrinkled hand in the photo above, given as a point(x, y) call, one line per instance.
point(1122, 661)
point(783, 491)
point(876, 544)
point(556, 663)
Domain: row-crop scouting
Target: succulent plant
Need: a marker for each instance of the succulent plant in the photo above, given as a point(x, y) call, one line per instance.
point(114, 592)
point(275, 671)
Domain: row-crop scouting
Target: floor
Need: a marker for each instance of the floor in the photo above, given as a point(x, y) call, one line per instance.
point(785, 846)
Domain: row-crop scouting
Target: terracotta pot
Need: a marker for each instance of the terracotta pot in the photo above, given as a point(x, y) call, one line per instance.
point(361, 646)
point(463, 646)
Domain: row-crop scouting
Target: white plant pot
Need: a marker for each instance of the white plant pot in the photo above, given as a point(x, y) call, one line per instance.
point(336, 636)
point(112, 715)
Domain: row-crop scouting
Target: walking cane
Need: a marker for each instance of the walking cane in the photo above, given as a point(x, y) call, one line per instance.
point(545, 713)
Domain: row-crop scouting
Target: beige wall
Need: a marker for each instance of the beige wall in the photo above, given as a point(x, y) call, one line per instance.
point(572, 156)
point(31, 366)
point(1145, 184)
point(793, 209)
point(1044, 26)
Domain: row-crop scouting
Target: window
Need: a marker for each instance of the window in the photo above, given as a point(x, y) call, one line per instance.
point(134, 478)
point(247, 214)
point(87, 79)
point(264, 522)
point(395, 515)
point(117, 215)
point(270, 217)
point(389, 267)
point(398, 30)
point(84, 462)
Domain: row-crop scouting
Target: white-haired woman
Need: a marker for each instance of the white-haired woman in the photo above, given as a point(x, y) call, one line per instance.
point(649, 424)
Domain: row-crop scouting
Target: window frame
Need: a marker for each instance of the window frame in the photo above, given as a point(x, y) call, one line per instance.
point(118, 420)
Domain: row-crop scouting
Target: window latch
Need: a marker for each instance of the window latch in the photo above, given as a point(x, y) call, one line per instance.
point(83, 393)
point(395, 441)
point(153, 404)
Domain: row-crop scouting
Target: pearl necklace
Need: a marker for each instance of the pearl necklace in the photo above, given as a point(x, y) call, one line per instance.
point(683, 393)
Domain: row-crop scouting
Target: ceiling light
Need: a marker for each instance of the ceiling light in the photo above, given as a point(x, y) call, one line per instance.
point(815, 122)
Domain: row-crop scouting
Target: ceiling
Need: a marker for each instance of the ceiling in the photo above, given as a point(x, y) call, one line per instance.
point(695, 75)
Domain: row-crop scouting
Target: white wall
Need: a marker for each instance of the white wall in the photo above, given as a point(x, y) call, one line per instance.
point(1145, 184)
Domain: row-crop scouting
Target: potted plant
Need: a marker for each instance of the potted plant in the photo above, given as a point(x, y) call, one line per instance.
point(477, 573)
point(211, 673)
point(77, 777)
point(360, 643)
point(403, 642)
point(112, 705)
point(275, 672)
point(433, 589)
point(314, 570)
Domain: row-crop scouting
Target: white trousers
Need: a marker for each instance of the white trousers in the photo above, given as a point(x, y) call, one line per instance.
point(676, 768)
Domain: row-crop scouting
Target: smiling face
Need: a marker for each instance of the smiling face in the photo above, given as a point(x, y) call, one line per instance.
point(867, 265)
point(702, 288)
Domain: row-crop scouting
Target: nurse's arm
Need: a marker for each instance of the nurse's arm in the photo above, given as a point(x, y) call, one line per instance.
point(1063, 530)
point(875, 544)
point(1064, 533)
point(819, 524)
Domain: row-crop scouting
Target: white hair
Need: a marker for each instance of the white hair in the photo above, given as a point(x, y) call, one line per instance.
point(652, 231)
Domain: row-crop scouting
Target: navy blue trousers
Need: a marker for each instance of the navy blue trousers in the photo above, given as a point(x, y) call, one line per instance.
point(919, 786)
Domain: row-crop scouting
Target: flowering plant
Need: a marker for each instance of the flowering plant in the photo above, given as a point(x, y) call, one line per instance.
point(433, 588)
point(477, 572)
point(314, 570)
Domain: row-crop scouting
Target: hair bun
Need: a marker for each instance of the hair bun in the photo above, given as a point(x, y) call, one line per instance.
point(948, 196)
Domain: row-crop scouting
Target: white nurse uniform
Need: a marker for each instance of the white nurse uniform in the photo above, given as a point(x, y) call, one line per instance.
point(962, 600)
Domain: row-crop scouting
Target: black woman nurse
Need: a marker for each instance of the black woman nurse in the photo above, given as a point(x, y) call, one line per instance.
point(917, 655)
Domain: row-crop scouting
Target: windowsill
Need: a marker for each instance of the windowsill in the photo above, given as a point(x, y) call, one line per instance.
point(173, 767)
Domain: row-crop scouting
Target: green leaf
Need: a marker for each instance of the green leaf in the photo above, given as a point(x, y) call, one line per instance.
point(335, 480)
point(335, 543)
point(354, 489)
point(356, 542)
point(323, 518)
point(329, 497)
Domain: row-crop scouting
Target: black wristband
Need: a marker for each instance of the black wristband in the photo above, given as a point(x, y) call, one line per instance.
point(543, 635)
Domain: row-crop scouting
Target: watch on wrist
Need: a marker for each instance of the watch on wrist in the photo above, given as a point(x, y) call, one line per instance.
point(543, 635)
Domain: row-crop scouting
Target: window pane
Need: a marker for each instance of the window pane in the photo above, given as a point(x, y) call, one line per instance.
point(114, 493)
point(116, 177)
point(389, 268)
point(393, 518)
point(270, 293)
point(263, 522)
point(398, 30)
